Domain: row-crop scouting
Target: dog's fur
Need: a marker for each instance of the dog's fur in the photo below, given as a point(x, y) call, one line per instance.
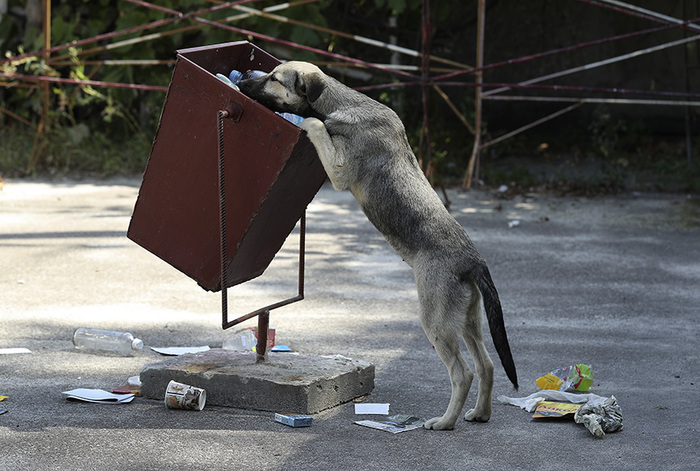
point(363, 147)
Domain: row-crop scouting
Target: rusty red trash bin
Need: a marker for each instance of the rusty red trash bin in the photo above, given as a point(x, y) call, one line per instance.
point(272, 172)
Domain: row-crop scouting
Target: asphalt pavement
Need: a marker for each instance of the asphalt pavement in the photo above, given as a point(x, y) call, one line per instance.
point(611, 281)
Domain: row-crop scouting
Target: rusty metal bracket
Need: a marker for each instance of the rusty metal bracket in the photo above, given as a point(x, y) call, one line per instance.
point(264, 312)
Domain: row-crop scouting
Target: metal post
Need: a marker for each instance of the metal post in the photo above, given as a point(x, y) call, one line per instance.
point(263, 328)
point(479, 77)
point(47, 55)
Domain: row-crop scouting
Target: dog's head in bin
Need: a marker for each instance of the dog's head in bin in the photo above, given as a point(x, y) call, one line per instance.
point(292, 87)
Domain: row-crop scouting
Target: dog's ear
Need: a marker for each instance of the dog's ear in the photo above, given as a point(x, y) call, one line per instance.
point(310, 85)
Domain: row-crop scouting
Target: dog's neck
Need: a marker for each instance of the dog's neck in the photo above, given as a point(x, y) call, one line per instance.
point(336, 97)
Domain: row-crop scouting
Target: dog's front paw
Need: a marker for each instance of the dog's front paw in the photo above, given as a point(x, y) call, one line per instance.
point(439, 423)
point(473, 415)
point(312, 125)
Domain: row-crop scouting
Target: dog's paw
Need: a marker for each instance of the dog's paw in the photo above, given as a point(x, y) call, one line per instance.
point(312, 125)
point(439, 423)
point(473, 415)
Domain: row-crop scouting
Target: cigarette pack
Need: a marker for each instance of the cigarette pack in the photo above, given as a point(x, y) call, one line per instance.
point(294, 420)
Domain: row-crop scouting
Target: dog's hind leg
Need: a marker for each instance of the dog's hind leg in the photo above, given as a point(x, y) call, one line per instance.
point(474, 339)
point(442, 323)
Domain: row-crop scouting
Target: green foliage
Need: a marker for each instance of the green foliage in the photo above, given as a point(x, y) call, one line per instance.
point(103, 130)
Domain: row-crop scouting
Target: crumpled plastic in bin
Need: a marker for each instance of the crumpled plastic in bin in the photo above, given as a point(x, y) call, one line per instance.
point(600, 416)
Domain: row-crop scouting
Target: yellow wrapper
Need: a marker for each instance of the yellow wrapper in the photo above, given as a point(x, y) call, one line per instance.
point(548, 409)
point(549, 381)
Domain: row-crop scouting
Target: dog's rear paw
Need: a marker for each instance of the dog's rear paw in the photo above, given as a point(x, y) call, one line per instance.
point(473, 415)
point(439, 423)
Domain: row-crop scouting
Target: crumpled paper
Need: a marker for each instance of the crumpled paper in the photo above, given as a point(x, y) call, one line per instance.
point(531, 402)
point(600, 416)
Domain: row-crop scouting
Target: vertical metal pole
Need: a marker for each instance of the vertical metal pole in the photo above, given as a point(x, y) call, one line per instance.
point(479, 77)
point(688, 111)
point(47, 55)
point(261, 347)
point(425, 71)
point(302, 254)
point(221, 114)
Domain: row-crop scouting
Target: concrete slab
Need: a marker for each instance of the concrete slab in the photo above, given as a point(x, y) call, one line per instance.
point(286, 382)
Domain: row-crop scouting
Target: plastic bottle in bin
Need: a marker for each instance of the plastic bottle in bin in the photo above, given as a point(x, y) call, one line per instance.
point(121, 343)
point(236, 76)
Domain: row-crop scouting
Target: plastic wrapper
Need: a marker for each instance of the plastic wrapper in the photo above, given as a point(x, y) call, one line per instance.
point(572, 378)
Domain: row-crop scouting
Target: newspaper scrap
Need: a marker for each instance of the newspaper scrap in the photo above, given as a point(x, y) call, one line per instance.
point(394, 424)
point(600, 416)
point(98, 396)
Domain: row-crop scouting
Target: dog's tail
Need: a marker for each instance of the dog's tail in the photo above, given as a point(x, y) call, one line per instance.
point(494, 315)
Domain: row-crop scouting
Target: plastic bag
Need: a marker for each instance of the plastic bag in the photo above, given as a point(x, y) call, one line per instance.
point(572, 378)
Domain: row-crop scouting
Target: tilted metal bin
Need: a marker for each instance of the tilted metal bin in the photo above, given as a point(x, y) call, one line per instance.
point(271, 173)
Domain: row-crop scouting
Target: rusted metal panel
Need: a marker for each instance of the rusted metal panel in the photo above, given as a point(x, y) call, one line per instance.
point(272, 172)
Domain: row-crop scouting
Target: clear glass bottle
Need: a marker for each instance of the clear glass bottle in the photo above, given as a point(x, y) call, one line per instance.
point(120, 343)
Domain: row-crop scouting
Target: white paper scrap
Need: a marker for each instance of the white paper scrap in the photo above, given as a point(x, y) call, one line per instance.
point(369, 408)
point(12, 351)
point(98, 396)
point(175, 351)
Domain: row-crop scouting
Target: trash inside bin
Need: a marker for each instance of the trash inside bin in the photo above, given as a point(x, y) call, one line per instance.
point(272, 172)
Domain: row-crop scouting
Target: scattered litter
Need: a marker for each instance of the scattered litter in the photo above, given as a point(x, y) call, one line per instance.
point(513, 223)
point(184, 396)
point(134, 380)
point(13, 351)
point(128, 389)
point(176, 351)
point(530, 402)
point(549, 409)
point(247, 339)
point(600, 416)
point(394, 423)
point(503, 188)
point(280, 348)
point(294, 420)
point(2, 410)
point(370, 408)
point(2, 398)
point(98, 396)
point(109, 341)
point(572, 378)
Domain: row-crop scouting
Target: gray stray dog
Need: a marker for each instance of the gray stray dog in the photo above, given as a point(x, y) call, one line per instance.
point(363, 147)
